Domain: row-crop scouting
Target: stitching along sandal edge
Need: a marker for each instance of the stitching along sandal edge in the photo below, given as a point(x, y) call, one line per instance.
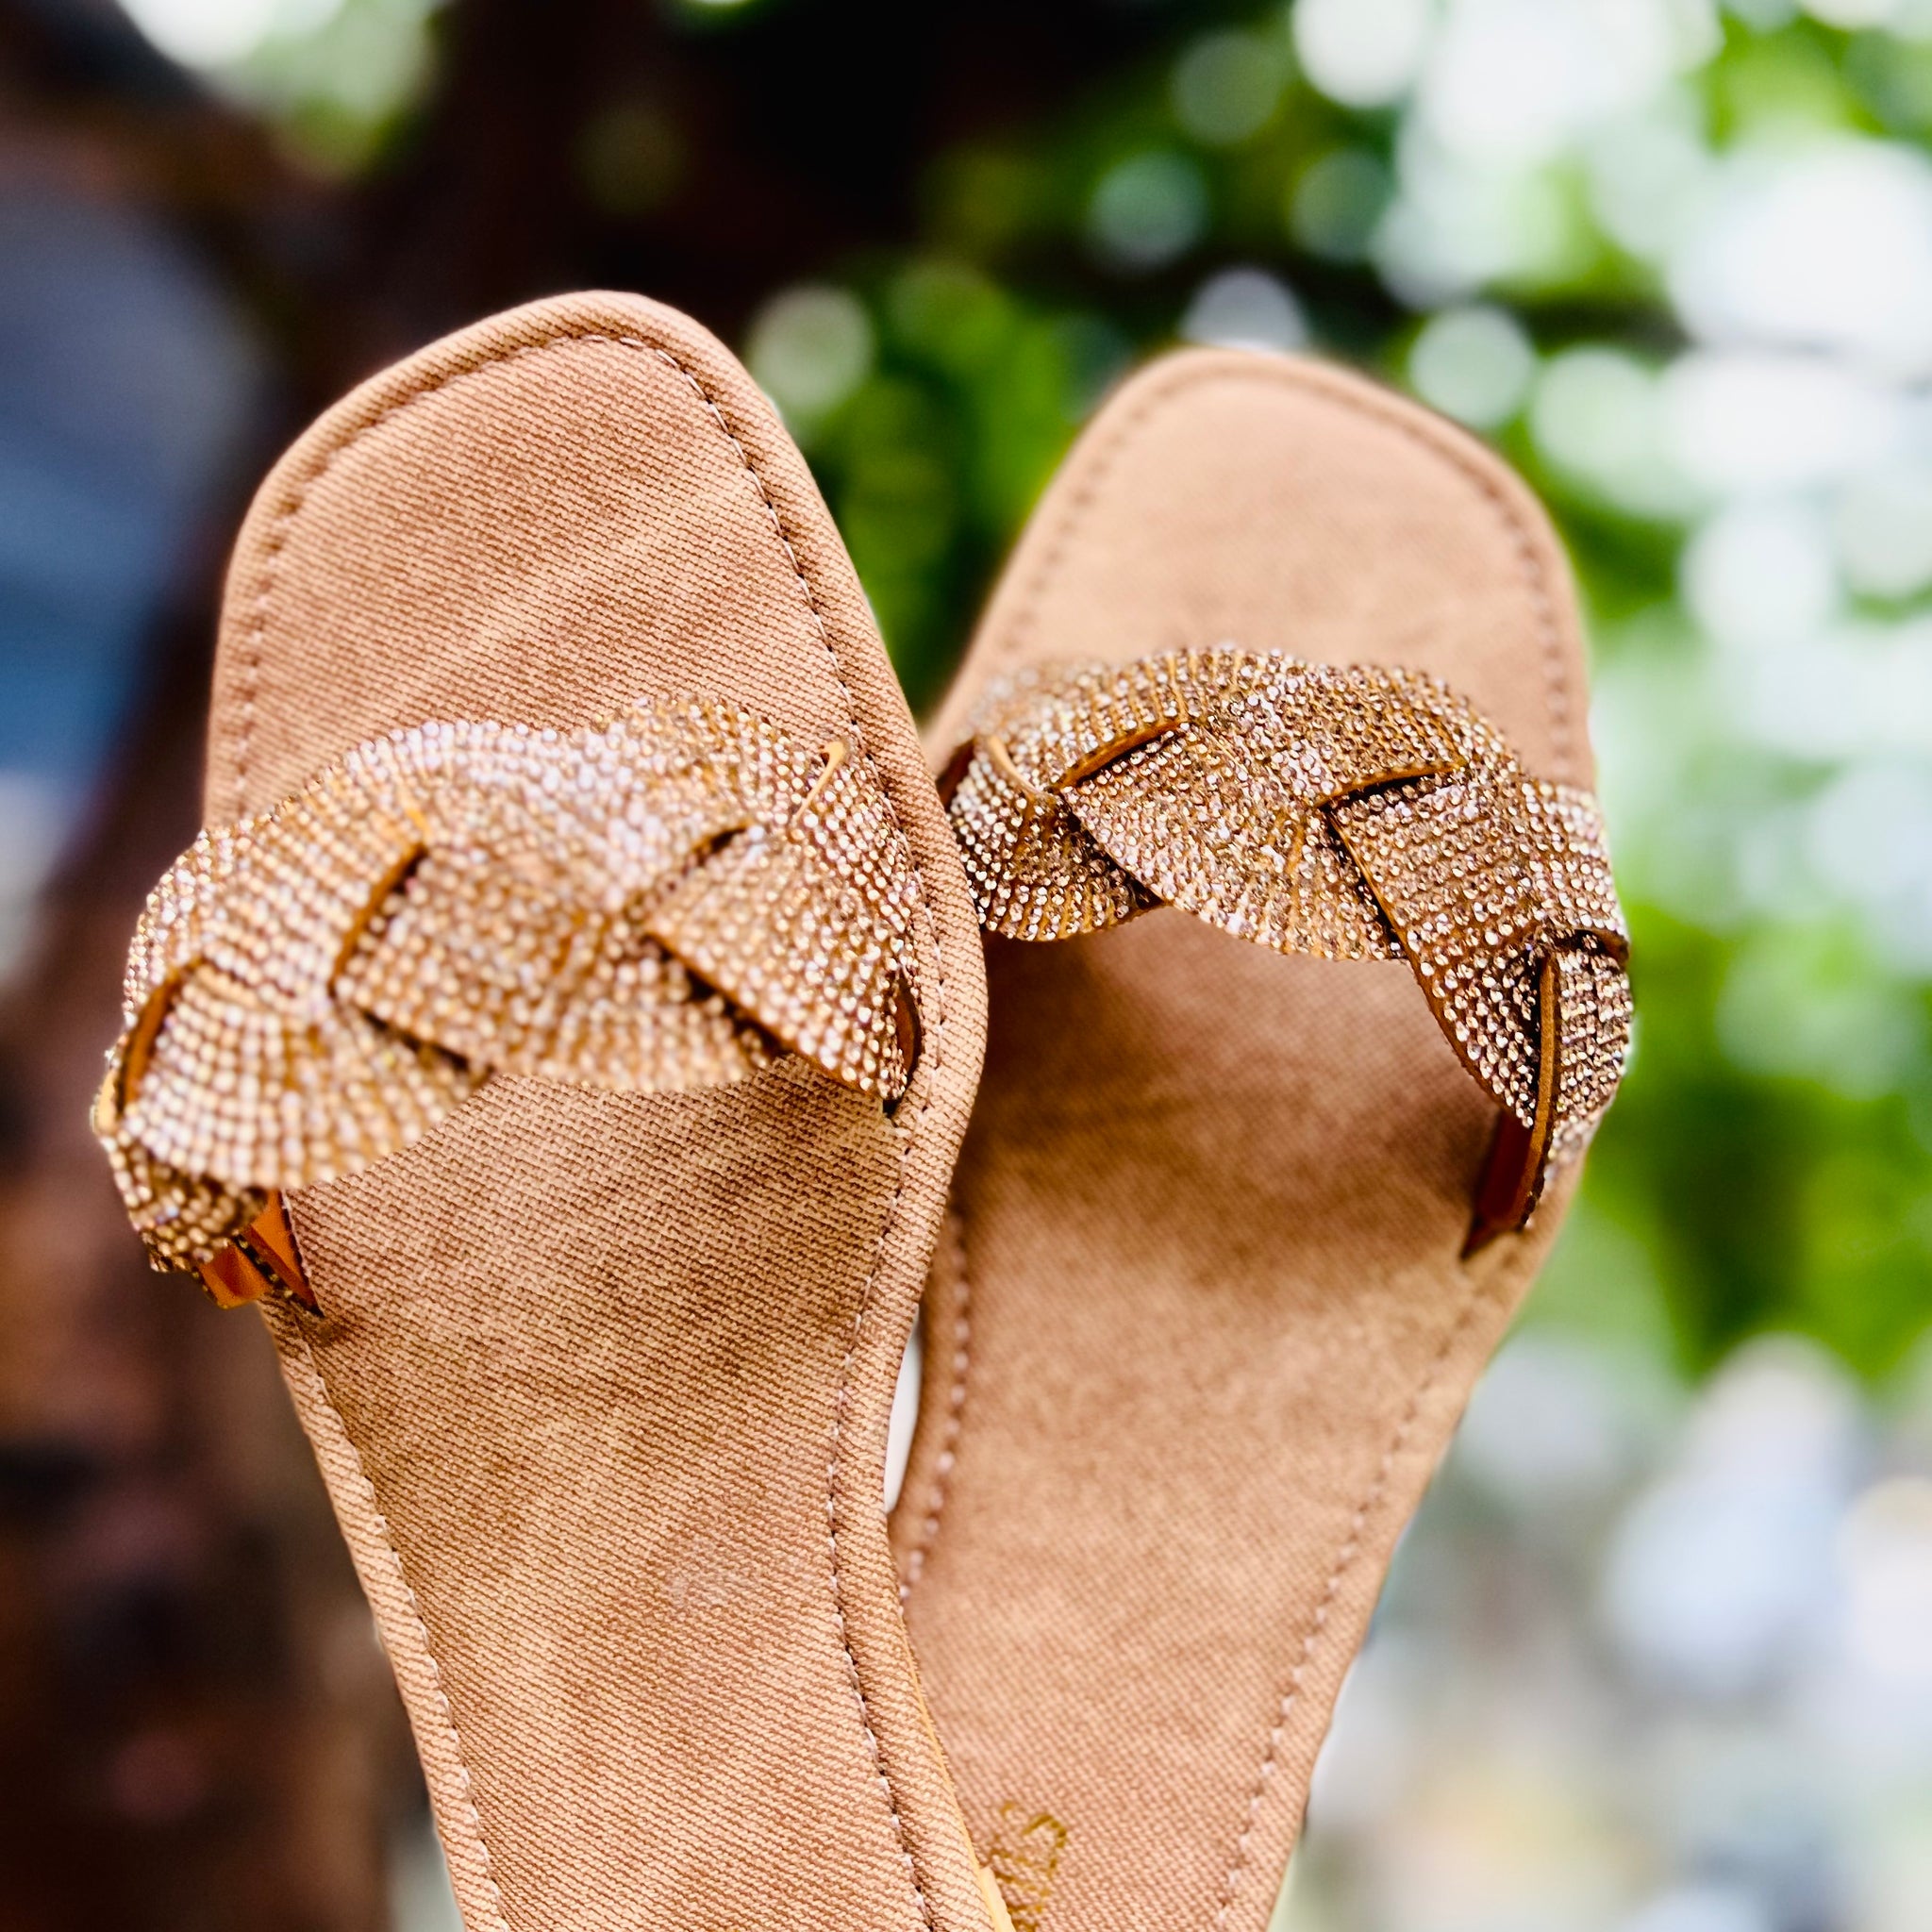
point(563, 1036)
point(1235, 1228)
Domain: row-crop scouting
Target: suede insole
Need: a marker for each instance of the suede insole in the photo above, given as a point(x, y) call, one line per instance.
point(1200, 1330)
point(602, 1384)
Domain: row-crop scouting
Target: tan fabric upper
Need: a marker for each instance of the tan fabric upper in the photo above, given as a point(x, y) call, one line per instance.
point(602, 1386)
point(1201, 1327)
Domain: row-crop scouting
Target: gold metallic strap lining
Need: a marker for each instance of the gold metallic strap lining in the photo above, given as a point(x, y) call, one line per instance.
point(669, 901)
point(1350, 812)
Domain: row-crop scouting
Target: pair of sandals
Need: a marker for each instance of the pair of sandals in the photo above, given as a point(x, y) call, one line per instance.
point(570, 1034)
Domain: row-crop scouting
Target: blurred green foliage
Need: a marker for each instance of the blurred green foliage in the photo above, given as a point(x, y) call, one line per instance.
point(1729, 1193)
point(1276, 173)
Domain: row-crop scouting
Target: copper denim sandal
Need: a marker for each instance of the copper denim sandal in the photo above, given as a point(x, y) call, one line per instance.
point(564, 1033)
point(1283, 668)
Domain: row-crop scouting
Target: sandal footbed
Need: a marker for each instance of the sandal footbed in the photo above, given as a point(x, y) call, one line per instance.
point(1200, 1329)
point(601, 1385)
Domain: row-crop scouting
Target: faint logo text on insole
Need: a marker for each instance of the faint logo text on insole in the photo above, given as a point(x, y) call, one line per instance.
point(1024, 1858)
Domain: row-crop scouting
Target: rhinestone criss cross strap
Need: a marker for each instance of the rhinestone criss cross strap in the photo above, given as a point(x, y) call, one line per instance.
point(671, 900)
point(1355, 813)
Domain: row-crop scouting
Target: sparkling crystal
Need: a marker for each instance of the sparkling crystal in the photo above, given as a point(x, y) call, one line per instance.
point(669, 900)
point(1350, 812)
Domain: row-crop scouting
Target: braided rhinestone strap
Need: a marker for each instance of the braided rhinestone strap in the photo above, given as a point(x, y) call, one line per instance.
point(1355, 813)
point(671, 900)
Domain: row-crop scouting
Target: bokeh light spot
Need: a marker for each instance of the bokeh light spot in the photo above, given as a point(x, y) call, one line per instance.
point(1148, 209)
point(1474, 364)
point(1363, 53)
point(811, 348)
point(1226, 87)
point(1245, 309)
point(1335, 202)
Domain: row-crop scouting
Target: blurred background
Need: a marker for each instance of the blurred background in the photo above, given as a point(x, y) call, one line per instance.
point(1657, 1655)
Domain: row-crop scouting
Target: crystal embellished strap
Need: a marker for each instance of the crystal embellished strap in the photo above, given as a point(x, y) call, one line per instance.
point(1354, 813)
point(671, 900)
